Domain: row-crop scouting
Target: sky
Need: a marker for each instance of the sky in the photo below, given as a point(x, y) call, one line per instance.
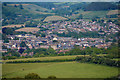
point(60, 0)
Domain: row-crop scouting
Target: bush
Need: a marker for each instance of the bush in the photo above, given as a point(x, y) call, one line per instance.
point(17, 78)
point(52, 77)
point(32, 76)
point(98, 60)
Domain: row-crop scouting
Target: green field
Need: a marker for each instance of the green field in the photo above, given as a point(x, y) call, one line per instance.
point(90, 14)
point(54, 18)
point(59, 69)
point(46, 58)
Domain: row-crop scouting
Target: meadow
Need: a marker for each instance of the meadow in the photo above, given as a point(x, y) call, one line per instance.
point(44, 58)
point(28, 29)
point(59, 69)
point(54, 18)
point(12, 26)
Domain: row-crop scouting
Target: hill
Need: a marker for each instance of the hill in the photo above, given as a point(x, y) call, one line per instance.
point(98, 6)
point(20, 13)
point(37, 9)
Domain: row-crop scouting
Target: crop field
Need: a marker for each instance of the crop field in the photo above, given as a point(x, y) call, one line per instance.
point(95, 14)
point(12, 26)
point(90, 14)
point(112, 12)
point(46, 58)
point(18, 4)
point(59, 69)
point(28, 29)
point(54, 18)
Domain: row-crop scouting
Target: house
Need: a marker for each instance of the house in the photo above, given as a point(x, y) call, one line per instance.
point(44, 46)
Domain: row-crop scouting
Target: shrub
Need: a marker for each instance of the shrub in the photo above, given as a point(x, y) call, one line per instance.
point(98, 60)
point(17, 78)
point(32, 76)
point(52, 77)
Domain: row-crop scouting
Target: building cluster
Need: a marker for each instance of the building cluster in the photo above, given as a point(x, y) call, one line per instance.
point(64, 43)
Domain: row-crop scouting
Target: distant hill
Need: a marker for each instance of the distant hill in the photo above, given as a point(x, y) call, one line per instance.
point(47, 5)
point(18, 13)
point(14, 14)
point(36, 8)
point(99, 6)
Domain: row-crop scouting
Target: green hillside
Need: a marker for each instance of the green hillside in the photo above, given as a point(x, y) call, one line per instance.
point(37, 9)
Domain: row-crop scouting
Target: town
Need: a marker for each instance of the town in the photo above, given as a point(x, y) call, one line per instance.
point(52, 40)
point(62, 43)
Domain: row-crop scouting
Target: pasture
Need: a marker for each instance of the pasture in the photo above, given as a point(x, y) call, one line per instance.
point(89, 14)
point(46, 58)
point(112, 12)
point(28, 29)
point(54, 18)
point(50, 58)
point(12, 26)
point(59, 69)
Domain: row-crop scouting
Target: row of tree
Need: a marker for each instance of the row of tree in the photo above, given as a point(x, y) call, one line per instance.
point(98, 60)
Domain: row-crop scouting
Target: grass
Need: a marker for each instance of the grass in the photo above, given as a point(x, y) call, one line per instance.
point(112, 12)
point(28, 29)
point(95, 14)
point(116, 59)
point(54, 18)
point(60, 70)
point(46, 58)
point(50, 58)
point(90, 14)
point(12, 26)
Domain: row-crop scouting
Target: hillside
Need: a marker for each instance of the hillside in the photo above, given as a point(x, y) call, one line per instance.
point(20, 13)
point(37, 9)
point(100, 6)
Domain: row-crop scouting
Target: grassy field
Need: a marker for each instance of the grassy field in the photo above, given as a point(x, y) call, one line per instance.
point(112, 12)
point(54, 18)
point(46, 58)
point(12, 26)
point(50, 58)
point(59, 69)
point(90, 14)
point(28, 29)
point(95, 14)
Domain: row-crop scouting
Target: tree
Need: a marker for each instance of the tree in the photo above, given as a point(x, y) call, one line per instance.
point(5, 4)
point(81, 16)
point(51, 51)
point(15, 5)
point(52, 77)
point(23, 44)
point(32, 76)
point(21, 50)
point(8, 31)
point(21, 7)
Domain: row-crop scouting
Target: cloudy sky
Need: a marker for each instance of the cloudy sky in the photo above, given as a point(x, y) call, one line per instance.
point(60, 0)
